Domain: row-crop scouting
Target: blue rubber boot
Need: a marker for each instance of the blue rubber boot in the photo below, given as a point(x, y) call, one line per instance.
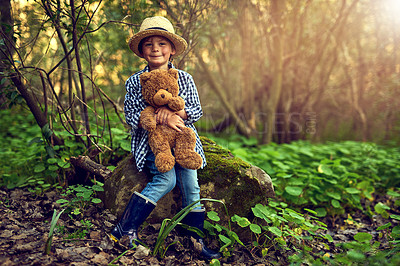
point(136, 212)
point(195, 218)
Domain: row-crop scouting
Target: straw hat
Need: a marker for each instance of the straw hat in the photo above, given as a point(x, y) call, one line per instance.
point(157, 26)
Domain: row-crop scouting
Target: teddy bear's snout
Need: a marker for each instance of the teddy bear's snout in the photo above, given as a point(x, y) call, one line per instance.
point(162, 97)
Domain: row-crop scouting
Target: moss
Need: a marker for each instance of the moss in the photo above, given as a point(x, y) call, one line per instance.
point(229, 176)
point(221, 164)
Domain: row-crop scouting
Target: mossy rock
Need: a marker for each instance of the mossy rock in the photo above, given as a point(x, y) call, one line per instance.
point(238, 184)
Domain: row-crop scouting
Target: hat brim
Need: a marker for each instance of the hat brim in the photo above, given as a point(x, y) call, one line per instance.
point(179, 43)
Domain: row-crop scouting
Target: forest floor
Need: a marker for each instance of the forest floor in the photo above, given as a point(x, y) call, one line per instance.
point(25, 222)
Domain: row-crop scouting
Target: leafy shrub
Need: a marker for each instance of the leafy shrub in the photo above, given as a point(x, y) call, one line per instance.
point(30, 160)
point(329, 176)
point(79, 197)
point(27, 158)
point(279, 227)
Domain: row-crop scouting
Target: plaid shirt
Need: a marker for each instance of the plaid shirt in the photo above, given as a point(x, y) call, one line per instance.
point(134, 104)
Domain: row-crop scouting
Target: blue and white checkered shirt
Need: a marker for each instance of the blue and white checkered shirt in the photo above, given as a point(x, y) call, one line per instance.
point(134, 104)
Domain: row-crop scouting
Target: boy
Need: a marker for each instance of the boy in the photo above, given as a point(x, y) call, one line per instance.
point(157, 42)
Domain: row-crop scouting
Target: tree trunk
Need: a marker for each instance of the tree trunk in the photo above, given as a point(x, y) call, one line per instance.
point(7, 33)
point(246, 85)
point(56, 22)
point(41, 119)
point(84, 110)
point(240, 125)
point(277, 8)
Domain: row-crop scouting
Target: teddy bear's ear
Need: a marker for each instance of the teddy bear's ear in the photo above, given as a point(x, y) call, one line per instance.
point(173, 73)
point(145, 77)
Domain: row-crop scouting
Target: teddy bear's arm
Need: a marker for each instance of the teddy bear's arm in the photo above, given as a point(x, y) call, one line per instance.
point(176, 103)
point(147, 119)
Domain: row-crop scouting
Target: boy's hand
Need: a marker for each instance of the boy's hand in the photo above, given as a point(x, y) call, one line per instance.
point(165, 116)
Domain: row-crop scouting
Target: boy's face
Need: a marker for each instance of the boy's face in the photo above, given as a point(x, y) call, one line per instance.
point(156, 50)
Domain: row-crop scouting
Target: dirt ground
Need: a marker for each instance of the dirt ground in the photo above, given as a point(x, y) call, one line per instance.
point(25, 222)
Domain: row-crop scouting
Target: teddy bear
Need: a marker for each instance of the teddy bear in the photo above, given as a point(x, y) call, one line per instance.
point(160, 88)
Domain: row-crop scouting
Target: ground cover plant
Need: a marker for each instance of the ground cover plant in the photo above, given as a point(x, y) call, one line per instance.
point(334, 179)
point(337, 203)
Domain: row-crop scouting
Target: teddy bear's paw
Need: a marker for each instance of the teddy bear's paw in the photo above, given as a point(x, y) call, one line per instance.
point(149, 125)
point(176, 104)
point(164, 162)
point(189, 160)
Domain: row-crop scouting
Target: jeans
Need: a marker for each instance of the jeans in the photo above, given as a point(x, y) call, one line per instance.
point(162, 183)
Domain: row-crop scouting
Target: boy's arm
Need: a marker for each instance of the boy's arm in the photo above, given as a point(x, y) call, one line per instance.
point(193, 111)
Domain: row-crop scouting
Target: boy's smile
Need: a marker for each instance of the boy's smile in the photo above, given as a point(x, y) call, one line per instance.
point(157, 50)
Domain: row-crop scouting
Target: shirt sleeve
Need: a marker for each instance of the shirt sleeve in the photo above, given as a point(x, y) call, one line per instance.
point(188, 92)
point(134, 103)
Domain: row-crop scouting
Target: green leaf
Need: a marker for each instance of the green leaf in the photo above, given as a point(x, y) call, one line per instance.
point(241, 221)
point(335, 195)
point(52, 160)
point(53, 167)
point(323, 168)
point(213, 216)
point(111, 167)
point(335, 204)
point(235, 236)
point(362, 237)
point(352, 190)
point(262, 211)
point(321, 212)
point(35, 140)
point(395, 216)
point(65, 165)
point(47, 132)
point(393, 194)
point(80, 189)
point(275, 230)
point(311, 211)
point(86, 195)
point(380, 208)
point(39, 168)
point(295, 214)
point(255, 228)
point(224, 239)
point(264, 252)
point(50, 151)
point(62, 201)
point(356, 255)
point(328, 237)
point(215, 262)
point(97, 188)
point(99, 183)
point(294, 191)
point(126, 145)
point(385, 226)
point(396, 230)
point(96, 200)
